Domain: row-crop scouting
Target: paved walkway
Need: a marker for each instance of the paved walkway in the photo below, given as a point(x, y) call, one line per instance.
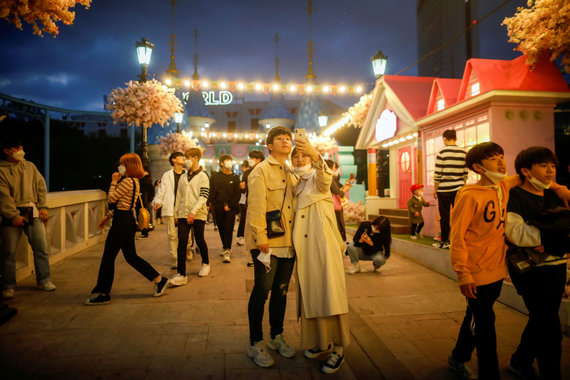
point(404, 322)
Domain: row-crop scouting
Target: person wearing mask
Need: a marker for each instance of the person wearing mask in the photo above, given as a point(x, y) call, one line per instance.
point(371, 242)
point(23, 208)
point(165, 200)
point(224, 198)
point(191, 212)
point(123, 192)
point(322, 303)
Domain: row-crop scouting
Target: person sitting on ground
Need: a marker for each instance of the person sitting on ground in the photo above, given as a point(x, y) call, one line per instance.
point(415, 206)
point(371, 242)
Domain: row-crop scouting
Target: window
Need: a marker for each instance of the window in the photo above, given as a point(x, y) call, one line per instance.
point(254, 124)
point(231, 126)
point(440, 104)
point(475, 89)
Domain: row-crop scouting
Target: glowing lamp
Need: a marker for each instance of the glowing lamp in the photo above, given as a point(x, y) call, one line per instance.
point(379, 61)
point(323, 120)
point(144, 51)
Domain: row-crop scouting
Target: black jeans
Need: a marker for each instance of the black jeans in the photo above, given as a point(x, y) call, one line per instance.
point(541, 289)
point(183, 232)
point(340, 223)
point(226, 221)
point(444, 202)
point(242, 214)
point(121, 237)
point(482, 336)
point(276, 281)
point(416, 228)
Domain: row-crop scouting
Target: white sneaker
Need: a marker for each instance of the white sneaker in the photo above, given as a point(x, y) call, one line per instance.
point(259, 355)
point(355, 269)
point(178, 280)
point(414, 237)
point(227, 257)
point(47, 286)
point(8, 294)
point(204, 270)
point(223, 252)
point(279, 344)
point(240, 241)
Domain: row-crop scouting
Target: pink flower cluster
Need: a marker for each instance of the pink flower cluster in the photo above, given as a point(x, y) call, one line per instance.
point(354, 212)
point(359, 111)
point(143, 104)
point(46, 12)
point(324, 144)
point(544, 27)
point(177, 142)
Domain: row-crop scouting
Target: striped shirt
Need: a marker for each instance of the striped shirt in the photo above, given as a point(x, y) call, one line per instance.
point(122, 194)
point(450, 169)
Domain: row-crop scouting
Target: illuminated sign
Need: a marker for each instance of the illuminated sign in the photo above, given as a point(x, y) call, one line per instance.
point(386, 125)
point(223, 98)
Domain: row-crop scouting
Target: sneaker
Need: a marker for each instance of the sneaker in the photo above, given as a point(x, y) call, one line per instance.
point(160, 287)
point(459, 368)
point(315, 352)
point(259, 355)
point(240, 241)
point(178, 280)
point(98, 299)
point(333, 363)
point(223, 252)
point(8, 294)
point(414, 237)
point(47, 286)
point(524, 372)
point(250, 263)
point(140, 237)
point(437, 238)
point(279, 344)
point(227, 258)
point(204, 270)
point(355, 269)
point(445, 245)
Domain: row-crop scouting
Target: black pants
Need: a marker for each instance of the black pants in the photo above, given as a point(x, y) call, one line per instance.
point(183, 231)
point(340, 223)
point(416, 228)
point(276, 281)
point(242, 214)
point(444, 202)
point(226, 221)
point(121, 237)
point(482, 336)
point(541, 289)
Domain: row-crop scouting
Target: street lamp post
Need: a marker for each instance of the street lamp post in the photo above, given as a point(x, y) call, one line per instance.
point(144, 52)
point(379, 61)
point(323, 119)
point(178, 116)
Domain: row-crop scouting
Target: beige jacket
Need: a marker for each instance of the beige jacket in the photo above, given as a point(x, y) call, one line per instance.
point(266, 184)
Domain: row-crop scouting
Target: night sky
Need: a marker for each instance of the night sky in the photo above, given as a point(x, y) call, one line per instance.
point(96, 54)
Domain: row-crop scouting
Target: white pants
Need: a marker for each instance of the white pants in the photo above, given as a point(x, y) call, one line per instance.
point(172, 232)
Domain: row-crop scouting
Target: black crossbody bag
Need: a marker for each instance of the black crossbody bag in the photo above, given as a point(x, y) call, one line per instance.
point(274, 220)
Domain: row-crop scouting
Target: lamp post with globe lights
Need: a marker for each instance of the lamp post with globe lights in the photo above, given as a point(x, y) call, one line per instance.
point(144, 52)
point(178, 117)
point(379, 61)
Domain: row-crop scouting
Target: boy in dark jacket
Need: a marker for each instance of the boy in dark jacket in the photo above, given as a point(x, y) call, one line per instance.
point(371, 242)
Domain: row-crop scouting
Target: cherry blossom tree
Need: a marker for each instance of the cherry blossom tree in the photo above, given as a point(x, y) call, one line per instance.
point(543, 28)
point(46, 12)
point(177, 142)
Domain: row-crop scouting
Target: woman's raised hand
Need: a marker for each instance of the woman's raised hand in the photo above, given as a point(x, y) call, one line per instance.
point(307, 149)
point(115, 177)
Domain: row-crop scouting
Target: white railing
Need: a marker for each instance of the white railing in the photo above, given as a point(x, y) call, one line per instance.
point(72, 226)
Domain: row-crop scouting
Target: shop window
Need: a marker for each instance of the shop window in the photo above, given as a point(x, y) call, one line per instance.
point(483, 133)
point(440, 104)
point(470, 136)
point(475, 89)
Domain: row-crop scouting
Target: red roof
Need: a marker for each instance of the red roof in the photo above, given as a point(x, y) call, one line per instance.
point(413, 92)
point(449, 89)
point(512, 75)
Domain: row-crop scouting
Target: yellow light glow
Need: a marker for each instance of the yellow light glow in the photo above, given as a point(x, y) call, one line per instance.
point(240, 86)
point(223, 85)
point(358, 89)
point(342, 89)
point(309, 88)
point(168, 82)
point(258, 86)
point(326, 89)
point(205, 84)
point(187, 83)
point(213, 134)
point(225, 135)
point(235, 135)
point(292, 88)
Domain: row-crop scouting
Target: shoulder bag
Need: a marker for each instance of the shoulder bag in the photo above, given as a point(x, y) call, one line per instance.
point(274, 220)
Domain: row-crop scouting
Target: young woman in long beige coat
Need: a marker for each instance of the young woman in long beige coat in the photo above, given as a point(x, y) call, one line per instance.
point(321, 290)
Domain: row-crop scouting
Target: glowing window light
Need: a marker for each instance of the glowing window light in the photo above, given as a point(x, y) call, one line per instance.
point(309, 88)
point(187, 83)
point(205, 84)
point(168, 82)
point(326, 89)
point(359, 89)
point(258, 86)
point(292, 88)
point(223, 85)
point(440, 104)
point(475, 89)
point(240, 86)
point(342, 89)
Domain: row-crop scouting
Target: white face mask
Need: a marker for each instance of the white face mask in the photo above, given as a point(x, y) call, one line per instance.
point(302, 170)
point(189, 163)
point(494, 176)
point(538, 185)
point(228, 164)
point(122, 169)
point(19, 155)
point(252, 162)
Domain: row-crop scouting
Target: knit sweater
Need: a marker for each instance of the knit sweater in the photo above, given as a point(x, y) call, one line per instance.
point(450, 170)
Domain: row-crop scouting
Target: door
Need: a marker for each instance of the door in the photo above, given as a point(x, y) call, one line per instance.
point(404, 175)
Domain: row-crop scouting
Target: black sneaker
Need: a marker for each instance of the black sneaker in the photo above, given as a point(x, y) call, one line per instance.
point(315, 352)
point(250, 263)
point(333, 363)
point(526, 372)
point(160, 287)
point(98, 299)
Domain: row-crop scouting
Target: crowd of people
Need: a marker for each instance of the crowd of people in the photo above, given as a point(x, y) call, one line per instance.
point(289, 217)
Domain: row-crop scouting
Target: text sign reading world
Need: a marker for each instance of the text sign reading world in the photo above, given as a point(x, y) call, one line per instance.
point(211, 98)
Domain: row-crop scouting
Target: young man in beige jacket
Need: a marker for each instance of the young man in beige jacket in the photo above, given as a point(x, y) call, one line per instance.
point(271, 186)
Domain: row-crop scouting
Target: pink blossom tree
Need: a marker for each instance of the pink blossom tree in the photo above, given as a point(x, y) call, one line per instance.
point(47, 12)
point(543, 28)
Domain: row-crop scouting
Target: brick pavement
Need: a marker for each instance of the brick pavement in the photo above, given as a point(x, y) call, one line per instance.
point(404, 322)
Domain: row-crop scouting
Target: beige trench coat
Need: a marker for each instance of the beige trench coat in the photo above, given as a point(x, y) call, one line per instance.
point(319, 247)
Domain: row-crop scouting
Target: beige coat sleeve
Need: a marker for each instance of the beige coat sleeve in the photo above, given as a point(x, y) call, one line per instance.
point(257, 205)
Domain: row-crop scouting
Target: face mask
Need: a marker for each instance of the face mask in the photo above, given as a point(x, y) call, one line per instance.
point(302, 170)
point(122, 169)
point(19, 155)
point(228, 164)
point(494, 176)
point(252, 162)
point(375, 230)
point(538, 185)
point(265, 259)
point(420, 194)
point(189, 163)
